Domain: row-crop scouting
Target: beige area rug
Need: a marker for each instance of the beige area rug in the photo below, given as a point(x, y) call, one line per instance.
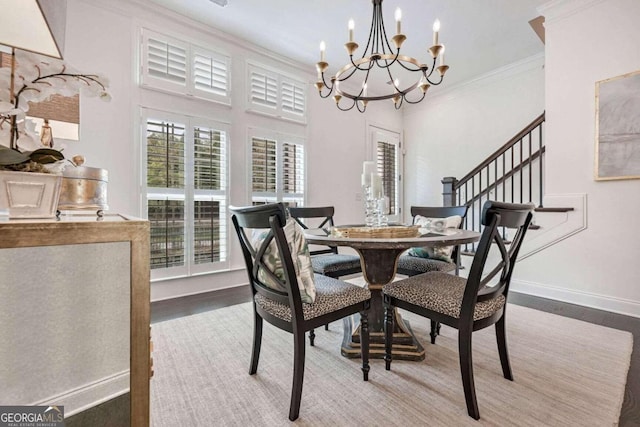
point(567, 373)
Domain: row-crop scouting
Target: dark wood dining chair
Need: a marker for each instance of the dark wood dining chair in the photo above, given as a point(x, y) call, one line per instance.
point(467, 304)
point(334, 299)
point(411, 265)
point(325, 260)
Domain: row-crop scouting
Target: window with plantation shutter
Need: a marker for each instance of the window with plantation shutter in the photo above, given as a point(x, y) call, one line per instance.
point(178, 66)
point(210, 73)
point(277, 170)
point(388, 170)
point(292, 170)
point(275, 94)
point(263, 166)
point(186, 187)
point(293, 97)
point(164, 61)
point(387, 153)
point(264, 89)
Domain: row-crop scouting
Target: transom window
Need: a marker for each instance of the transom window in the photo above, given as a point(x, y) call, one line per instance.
point(178, 66)
point(276, 94)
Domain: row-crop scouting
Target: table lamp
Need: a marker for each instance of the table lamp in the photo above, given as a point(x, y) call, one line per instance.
point(33, 25)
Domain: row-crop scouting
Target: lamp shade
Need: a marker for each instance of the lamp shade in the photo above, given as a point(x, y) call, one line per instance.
point(33, 25)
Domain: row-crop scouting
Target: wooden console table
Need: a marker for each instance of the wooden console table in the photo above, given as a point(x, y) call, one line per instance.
point(73, 241)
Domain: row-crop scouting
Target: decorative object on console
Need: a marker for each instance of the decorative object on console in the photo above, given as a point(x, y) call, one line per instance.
point(375, 205)
point(83, 188)
point(378, 53)
point(30, 25)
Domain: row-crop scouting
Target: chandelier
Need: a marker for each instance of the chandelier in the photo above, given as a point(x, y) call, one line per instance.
point(378, 53)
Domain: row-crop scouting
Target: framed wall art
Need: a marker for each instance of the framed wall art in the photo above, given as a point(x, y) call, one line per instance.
point(617, 153)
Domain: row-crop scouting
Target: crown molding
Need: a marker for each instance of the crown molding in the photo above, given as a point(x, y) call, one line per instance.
point(128, 7)
point(561, 9)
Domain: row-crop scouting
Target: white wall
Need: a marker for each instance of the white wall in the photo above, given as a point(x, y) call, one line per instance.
point(593, 251)
point(456, 128)
point(587, 42)
point(103, 37)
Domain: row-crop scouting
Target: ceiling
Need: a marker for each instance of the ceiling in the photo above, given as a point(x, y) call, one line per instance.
point(479, 35)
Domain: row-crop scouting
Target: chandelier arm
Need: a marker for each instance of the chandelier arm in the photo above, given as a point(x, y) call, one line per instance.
point(358, 65)
point(386, 59)
point(325, 83)
point(409, 69)
point(393, 82)
point(346, 109)
point(364, 106)
point(328, 93)
point(385, 39)
point(398, 104)
point(416, 101)
point(433, 67)
point(435, 83)
point(350, 74)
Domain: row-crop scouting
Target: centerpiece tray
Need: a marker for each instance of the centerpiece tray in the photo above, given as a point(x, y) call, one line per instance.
point(391, 231)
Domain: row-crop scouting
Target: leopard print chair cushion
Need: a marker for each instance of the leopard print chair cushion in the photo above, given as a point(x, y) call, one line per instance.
point(422, 265)
point(440, 292)
point(331, 263)
point(331, 295)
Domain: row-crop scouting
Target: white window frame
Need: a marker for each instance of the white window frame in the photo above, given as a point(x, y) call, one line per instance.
point(189, 194)
point(280, 139)
point(281, 78)
point(189, 88)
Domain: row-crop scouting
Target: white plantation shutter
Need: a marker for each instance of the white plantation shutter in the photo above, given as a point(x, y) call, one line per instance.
point(293, 170)
point(293, 97)
point(210, 73)
point(209, 159)
point(177, 66)
point(277, 169)
point(165, 59)
point(263, 166)
point(186, 193)
point(264, 89)
point(387, 162)
point(209, 183)
point(275, 94)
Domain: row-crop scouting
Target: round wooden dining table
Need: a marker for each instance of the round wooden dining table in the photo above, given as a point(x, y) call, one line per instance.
point(379, 261)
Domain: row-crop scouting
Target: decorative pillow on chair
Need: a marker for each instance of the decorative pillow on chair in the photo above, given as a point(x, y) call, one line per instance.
point(442, 253)
point(299, 254)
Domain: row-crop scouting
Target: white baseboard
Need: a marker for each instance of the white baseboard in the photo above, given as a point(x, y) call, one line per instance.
point(586, 299)
point(89, 395)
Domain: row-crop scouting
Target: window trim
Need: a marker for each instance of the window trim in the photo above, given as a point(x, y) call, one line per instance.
point(188, 193)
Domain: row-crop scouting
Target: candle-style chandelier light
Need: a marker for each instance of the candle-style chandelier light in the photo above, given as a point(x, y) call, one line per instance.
point(378, 53)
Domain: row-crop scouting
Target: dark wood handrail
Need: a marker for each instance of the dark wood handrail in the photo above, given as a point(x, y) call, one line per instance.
point(524, 132)
point(506, 176)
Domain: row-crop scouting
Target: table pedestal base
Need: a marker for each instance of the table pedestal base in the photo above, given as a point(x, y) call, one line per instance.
point(405, 344)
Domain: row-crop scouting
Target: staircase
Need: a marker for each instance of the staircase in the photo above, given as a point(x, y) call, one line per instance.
point(514, 173)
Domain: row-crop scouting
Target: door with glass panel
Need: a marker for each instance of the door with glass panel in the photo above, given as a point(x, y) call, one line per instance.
point(386, 151)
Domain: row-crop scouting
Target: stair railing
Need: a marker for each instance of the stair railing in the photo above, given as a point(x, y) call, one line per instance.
point(513, 173)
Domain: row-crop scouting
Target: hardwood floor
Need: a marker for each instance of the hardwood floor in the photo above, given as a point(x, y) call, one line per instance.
point(629, 415)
